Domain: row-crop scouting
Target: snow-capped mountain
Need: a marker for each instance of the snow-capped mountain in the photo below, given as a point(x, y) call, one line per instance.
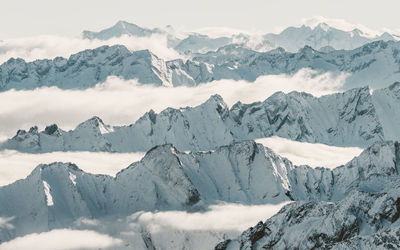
point(375, 64)
point(87, 68)
point(353, 118)
point(56, 195)
point(183, 42)
point(316, 32)
point(119, 29)
point(323, 35)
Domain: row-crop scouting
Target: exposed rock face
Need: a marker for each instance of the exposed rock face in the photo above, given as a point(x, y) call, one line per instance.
point(361, 220)
point(353, 118)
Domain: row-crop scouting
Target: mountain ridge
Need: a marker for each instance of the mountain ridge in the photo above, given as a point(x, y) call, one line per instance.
point(90, 67)
point(167, 179)
point(357, 117)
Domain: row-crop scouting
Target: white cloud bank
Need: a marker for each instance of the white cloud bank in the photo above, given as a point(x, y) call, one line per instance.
point(5, 223)
point(15, 165)
point(181, 229)
point(62, 239)
point(166, 230)
point(223, 217)
point(120, 102)
point(50, 46)
point(312, 154)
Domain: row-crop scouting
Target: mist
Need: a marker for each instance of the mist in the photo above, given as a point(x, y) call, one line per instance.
point(50, 46)
point(311, 154)
point(223, 217)
point(61, 239)
point(198, 230)
point(120, 102)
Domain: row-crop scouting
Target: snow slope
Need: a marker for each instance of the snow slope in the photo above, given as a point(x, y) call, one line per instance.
point(362, 220)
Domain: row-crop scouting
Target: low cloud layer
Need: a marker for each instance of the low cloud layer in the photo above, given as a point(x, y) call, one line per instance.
point(15, 165)
point(48, 47)
point(224, 217)
point(120, 102)
point(62, 239)
point(312, 154)
point(198, 230)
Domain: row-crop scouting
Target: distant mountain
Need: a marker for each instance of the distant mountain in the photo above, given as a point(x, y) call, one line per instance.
point(119, 29)
point(375, 64)
point(352, 118)
point(58, 194)
point(316, 33)
point(183, 42)
point(197, 43)
point(322, 35)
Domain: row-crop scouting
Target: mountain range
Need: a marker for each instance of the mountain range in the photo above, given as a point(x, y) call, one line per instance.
point(375, 64)
point(318, 34)
point(58, 194)
point(357, 117)
point(204, 156)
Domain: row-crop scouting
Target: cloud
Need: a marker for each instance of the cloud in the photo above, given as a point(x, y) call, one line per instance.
point(62, 239)
point(5, 223)
point(48, 46)
point(120, 102)
point(312, 154)
point(15, 165)
point(181, 229)
point(223, 217)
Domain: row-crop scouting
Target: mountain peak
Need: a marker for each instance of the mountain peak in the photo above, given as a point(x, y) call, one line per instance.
point(95, 123)
point(119, 29)
point(55, 165)
point(340, 24)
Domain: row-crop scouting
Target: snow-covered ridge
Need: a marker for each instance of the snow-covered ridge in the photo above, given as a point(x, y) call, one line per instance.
point(363, 219)
point(353, 118)
point(165, 179)
point(375, 64)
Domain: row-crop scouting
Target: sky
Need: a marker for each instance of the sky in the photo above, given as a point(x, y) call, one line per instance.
point(69, 17)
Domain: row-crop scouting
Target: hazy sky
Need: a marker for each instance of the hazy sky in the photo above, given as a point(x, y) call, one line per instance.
point(69, 17)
